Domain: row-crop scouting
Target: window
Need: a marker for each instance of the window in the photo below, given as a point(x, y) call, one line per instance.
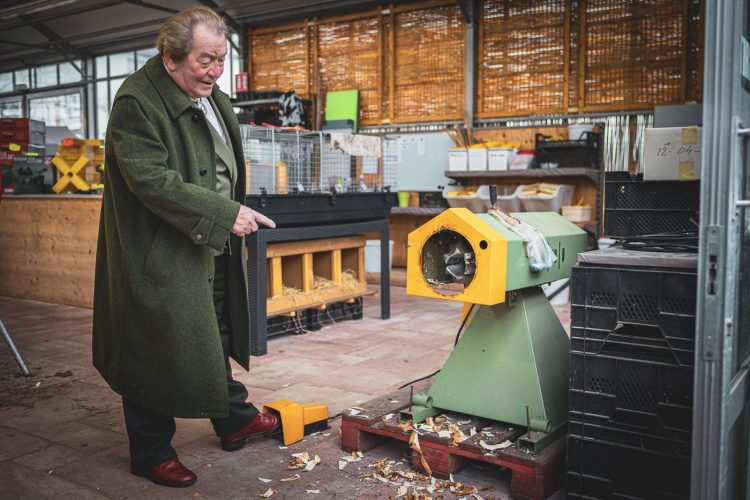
point(112, 69)
point(102, 107)
point(45, 76)
point(121, 64)
point(59, 110)
point(6, 82)
point(69, 73)
point(101, 67)
point(11, 109)
point(231, 68)
point(114, 86)
point(144, 55)
point(22, 78)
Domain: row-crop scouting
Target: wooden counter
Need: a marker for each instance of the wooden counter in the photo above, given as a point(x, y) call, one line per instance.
point(48, 247)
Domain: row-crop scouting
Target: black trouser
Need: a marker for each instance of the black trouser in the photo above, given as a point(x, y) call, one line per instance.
point(150, 433)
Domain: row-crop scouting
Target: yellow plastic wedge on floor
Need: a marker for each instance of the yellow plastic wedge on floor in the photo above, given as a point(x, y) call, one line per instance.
point(298, 420)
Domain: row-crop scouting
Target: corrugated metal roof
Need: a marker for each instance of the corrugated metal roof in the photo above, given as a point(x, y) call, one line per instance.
point(36, 32)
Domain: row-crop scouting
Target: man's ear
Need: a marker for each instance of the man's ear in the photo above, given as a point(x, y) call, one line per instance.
point(169, 62)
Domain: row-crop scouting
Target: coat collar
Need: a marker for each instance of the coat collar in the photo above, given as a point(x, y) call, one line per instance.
point(175, 100)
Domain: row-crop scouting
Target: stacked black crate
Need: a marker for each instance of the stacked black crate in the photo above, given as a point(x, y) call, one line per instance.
point(333, 313)
point(631, 374)
point(635, 207)
point(314, 318)
point(584, 152)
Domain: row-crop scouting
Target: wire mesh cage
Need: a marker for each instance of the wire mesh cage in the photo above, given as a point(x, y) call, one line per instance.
point(282, 161)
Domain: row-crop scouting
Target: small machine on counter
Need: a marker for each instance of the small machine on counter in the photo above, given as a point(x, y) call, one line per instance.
point(511, 364)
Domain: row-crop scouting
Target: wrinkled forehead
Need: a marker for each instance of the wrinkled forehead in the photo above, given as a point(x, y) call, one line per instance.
point(208, 42)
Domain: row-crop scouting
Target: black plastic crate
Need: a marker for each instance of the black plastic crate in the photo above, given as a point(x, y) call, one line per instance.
point(639, 403)
point(631, 375)
point(333, 313)
point(632, 335)
point(634, 207)
point(604, 470)
point(577, 153)
point(634, 312)
point(432, 199)
point(281, 325)
point(314, 319)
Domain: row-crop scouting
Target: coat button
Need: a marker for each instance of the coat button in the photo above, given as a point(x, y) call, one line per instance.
point(210, 278)
point(199, 236)
point(203, 171)
point(195, 116)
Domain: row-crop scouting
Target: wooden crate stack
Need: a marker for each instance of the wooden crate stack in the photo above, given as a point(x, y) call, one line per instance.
point(69, 152)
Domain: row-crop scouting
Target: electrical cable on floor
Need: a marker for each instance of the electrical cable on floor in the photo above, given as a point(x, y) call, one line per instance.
point(681, 241)
point(458, 334)
point(455, 343)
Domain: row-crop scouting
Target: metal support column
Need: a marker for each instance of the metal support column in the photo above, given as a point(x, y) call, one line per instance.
point(470, 10)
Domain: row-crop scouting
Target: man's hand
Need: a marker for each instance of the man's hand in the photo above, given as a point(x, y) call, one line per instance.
point(248, 220)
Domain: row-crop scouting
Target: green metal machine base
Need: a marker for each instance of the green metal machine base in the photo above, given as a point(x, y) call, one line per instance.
point(535, 441)
point(418, 413)
point(512, 355)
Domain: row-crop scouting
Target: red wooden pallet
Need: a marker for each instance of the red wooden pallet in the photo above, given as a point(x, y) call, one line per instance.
point(534, 476)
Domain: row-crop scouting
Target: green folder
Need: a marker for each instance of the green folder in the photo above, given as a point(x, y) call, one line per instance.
point(343, 105)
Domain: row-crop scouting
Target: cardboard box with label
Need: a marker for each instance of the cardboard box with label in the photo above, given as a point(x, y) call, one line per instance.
point(672, 154)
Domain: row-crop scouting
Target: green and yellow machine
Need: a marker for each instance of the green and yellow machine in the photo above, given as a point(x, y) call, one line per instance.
point(511, 363)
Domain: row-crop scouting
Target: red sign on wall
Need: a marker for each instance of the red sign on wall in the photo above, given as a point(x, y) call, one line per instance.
point(240, 82)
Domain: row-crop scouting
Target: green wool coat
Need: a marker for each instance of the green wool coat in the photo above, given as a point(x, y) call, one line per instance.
point(155, 335)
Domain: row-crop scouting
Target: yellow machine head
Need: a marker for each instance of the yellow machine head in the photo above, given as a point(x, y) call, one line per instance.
point(475, 258)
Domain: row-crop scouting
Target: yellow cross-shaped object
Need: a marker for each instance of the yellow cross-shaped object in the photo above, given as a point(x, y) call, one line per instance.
point(70, 175)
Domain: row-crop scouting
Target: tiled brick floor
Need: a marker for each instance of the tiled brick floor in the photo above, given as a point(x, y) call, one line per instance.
point(62, 435)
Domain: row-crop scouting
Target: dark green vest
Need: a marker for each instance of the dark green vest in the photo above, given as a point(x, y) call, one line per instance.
point(226, 167)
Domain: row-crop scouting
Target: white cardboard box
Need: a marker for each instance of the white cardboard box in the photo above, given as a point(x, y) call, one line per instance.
point(458, 159)
point(478, 159)
point(500, 158)
point(672, 154)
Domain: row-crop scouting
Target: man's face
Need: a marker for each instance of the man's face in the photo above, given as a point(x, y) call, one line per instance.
point(199, 71)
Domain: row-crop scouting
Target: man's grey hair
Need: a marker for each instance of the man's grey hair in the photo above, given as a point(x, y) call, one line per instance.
point(176, 36)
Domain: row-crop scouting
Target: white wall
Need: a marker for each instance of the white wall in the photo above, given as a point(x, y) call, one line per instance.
point(421, 161)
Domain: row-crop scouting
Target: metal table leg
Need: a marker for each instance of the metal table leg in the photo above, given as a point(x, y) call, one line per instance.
point(385, 272)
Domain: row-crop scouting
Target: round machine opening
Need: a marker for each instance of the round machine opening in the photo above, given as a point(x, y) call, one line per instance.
point(448, 262)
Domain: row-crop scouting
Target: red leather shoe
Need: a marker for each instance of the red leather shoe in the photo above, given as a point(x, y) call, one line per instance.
point(263, 423)
point(170, 473)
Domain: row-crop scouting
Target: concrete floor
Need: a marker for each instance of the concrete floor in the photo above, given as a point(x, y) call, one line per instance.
point(62, 434)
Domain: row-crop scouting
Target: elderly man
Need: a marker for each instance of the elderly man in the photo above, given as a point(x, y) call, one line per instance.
point(170, 301)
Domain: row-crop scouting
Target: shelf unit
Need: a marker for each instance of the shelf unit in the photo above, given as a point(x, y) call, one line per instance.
point(416, 211)
point(533, 173)
point(586, 181)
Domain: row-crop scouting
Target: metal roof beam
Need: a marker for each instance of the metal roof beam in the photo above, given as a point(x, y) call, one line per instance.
point(94, 34)
point(61, 46)
point(320, 9)
point(57, 15)
point(141, 3)
point(229, 20)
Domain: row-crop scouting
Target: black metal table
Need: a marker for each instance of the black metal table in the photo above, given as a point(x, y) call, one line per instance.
point(257, 270)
